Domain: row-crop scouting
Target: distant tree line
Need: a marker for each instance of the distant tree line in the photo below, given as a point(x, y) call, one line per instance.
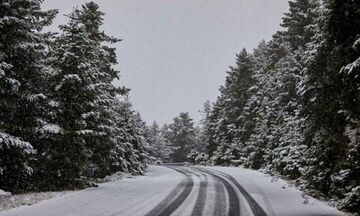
point(292, 106)
point(62, 121)
point(179, 141)
point(172, 142)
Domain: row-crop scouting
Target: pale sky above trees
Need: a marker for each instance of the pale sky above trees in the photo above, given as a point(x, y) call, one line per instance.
point(174, 53)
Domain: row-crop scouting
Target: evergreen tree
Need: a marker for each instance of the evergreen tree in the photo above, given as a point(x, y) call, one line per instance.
point(129, 152)
point(212, 130)
point(298, 22)
point(343, 41)
point(84, 92)
point(235, 95)
point(300, 116)
point(23, 93)
point(327, 119)
point(60, 116)
point(14, 167)
point(350, 168)
point(105, 91)
point(159, 147)
point(198, 154)
point(181, 137)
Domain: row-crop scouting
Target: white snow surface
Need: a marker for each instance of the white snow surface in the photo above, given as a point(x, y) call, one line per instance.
point(9, 201)
point(130, 196)
point(4, 193)
point(276, 196)
point(137, 195)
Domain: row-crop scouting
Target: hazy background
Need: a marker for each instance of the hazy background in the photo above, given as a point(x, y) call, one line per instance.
point(175, 53)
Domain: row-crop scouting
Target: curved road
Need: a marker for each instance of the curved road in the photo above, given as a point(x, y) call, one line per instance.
point(181, 191)
point(170, 204)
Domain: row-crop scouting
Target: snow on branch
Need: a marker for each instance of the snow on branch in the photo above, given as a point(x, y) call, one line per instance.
point(9, 141)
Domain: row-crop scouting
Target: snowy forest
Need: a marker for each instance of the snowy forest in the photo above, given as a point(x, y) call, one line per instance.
point(290, 107)
point(62, 121)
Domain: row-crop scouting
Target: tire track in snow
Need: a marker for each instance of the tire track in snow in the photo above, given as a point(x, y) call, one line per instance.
point(188, 205)
point(181, 192)
point(234, 203)
point(145, 200)
point(218, 196)
point(201, 198)
point(255, 207)
point(220, 207)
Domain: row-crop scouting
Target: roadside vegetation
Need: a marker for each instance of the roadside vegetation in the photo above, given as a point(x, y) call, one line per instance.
point(291, 107)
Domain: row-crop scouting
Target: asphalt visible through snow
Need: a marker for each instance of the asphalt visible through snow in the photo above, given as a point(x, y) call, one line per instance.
point(183, 191)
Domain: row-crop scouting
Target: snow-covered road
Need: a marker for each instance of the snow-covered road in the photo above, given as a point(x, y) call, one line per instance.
point(182, 191)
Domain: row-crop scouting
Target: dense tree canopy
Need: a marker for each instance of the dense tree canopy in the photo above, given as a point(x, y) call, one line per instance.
point(292, 106)
point(62, 121)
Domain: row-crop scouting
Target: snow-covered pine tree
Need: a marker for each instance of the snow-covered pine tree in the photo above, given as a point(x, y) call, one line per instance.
point(298, 21)
point(287, 149)
point(151, 135)
point(347, 180)
point(103, 74)
point(271, 109)
point(75, 61)
point(199, 155)
point(181, 137)
point(201, 132)
point(287, 152)
point(305, 113)
point(118, 155)
point(212, 130)
point(129, 153)
point(14, 167)
point(264, 137)
point(325, 133)
point(236, 94)
point(252, 135)
point(160, 149)
point(23, 82)
point(343, 37)
point(140, 144)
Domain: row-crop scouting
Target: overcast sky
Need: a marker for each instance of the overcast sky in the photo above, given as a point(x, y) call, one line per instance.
point(175, 53)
